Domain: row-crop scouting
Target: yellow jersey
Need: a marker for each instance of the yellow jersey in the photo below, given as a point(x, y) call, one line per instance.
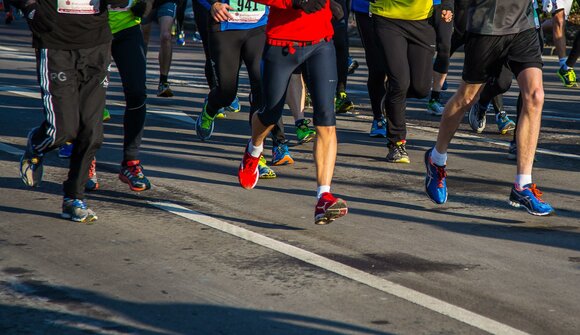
point(412, 10)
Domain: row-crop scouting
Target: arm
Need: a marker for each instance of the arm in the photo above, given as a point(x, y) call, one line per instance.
point(205, 3)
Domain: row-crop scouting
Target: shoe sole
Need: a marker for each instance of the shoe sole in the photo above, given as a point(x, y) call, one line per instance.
point(338, 210)
point(27, 176)
point(133, 188)
point(507, 129)
point(401, 161)
point(518, 205)
point(267, 176)
point(307, 139)
point(345, 110)
point(283, 161)
point(377, 135)
point(165, 94)
point(89, 218)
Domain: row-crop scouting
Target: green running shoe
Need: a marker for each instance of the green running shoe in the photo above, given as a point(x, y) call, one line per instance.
point(106, 115)
point(204, 124)
point(304, 133)
point(568, 77)
point(342, 104)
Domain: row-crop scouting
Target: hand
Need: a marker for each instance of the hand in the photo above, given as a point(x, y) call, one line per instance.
point(447, 15)
point(36, 21)
point(139, 9)
point(309, 6)
point(219, 12)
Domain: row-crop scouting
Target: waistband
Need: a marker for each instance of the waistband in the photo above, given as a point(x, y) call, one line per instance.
point(292, 45)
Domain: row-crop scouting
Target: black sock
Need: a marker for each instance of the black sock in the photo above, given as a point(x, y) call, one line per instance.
point(163, 78)
point(435, 95)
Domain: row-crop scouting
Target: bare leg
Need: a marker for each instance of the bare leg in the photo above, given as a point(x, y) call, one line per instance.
point(438, 80)
point(559, 33)
point(259, 130)
point(453, 113)
point(165, 50)
point(296, 96)
point(325, 149)
point(528, 130)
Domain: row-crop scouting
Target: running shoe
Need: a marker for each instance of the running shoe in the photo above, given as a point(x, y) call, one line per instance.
point(281, 155)
point(65, 150)
point(248, 172)
point(164, 90)
point(352, 65)
point(92, 183)
point(204, 124)
point(568, 77)
point(77, 210)
point(445, 86)
point(31, 168)
point(434, 107)
point(304, 133)
point(180, 40)
point(264, 170)
point(435, 180)
point(132, 174)
point(329, 208)
point(476, 117)
point(234, 107)
point(106, 115)
point(530, 197)
point(379, 128)
point(196, 37)
point(504, 123)
point(398, 153)
point(342, 104)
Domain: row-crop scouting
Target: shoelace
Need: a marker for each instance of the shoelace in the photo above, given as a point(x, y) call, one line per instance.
point(537, 193)
point(93, 169)
point(135, 170)
point(441, 174)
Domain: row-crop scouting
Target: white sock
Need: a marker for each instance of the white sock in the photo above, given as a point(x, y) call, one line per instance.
point(322, 189)
point(523, 180)
point(439, 159)
point(562, 63)
point(255, 151)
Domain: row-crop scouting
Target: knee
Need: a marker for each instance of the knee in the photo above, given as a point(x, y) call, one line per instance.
point(398, 89)
point(534, 98)
point(134, 100)
point(165, 37)
point(420, 90)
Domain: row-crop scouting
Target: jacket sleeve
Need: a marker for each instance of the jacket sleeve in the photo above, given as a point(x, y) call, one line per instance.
point(206, 3)
point(447, 5)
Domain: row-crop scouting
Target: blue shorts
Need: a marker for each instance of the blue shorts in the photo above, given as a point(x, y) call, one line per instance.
point(167, 9)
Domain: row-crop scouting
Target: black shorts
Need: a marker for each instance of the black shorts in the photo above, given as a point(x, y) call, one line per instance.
point(486, 54)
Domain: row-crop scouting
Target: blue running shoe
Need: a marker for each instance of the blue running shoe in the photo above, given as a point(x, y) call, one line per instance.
point(379, 128)
point(435, 184)
point(65, 150)
point(504, 123)
point(77, 210)
point(530, 198)
point(234, 107)
point(444, 87)
point(204, 124)
point(281, 155)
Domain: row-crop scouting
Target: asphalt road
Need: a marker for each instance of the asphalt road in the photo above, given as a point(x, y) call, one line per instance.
point(199, 255)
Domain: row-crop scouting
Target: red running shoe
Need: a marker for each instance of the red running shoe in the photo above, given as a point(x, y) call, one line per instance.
point(329, 209)
point(248, 174)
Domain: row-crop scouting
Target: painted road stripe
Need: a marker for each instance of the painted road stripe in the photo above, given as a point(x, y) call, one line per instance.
point(362, 277)
point(480, 139)
point(10, 149)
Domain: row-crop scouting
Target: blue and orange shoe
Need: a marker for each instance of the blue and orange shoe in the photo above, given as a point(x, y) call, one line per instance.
point(530, 197)
point(281, 155)
point(435, 184)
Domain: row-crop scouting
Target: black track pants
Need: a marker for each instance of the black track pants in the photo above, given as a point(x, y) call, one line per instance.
point(201, 17)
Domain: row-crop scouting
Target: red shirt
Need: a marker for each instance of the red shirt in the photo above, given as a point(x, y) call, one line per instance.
point(288, 24)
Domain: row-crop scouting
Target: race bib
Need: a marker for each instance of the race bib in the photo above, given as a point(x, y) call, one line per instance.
point(246, 11)
point(84, 7)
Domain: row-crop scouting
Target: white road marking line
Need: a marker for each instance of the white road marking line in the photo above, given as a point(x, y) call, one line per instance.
point(7, 49)
point(480, 139)
point(25, 92)
point(10, 149)
point(359, 276)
